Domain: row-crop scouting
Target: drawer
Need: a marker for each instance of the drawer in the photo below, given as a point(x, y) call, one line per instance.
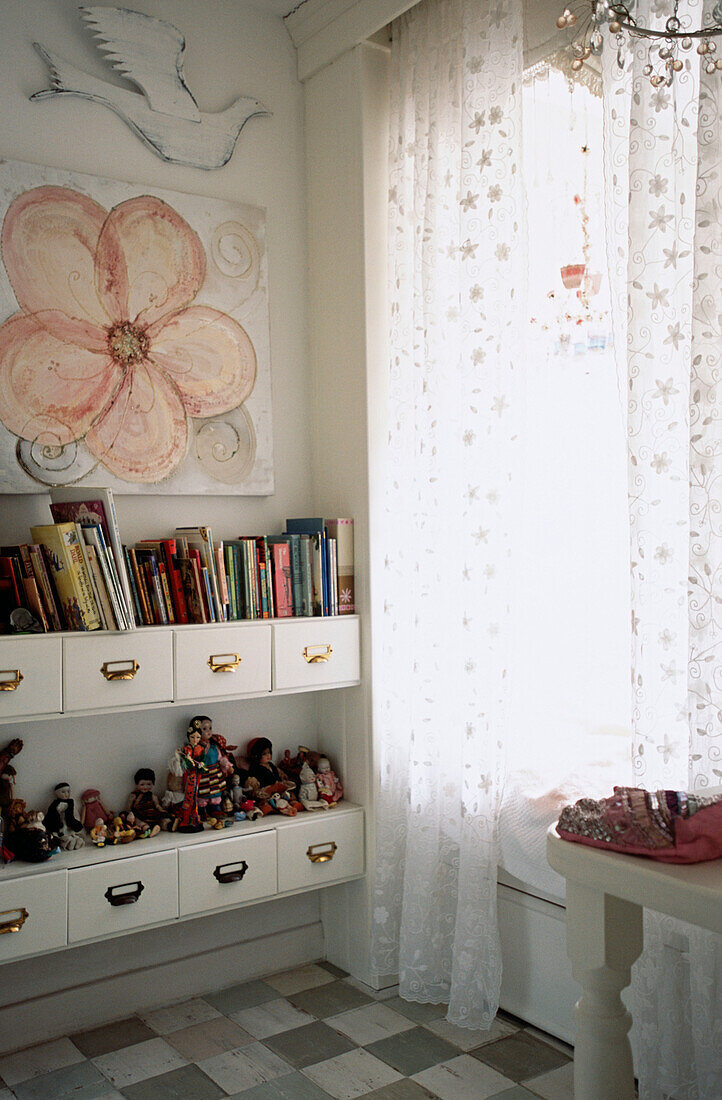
point(30, 669)
point(227, 872)
point(95, 895)
point(302, 846)
point(96, 667)
point(36, 905)
point(214, 663)
point(311, 653)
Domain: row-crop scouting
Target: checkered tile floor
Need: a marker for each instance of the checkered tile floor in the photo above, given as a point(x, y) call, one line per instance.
point(307, 1034)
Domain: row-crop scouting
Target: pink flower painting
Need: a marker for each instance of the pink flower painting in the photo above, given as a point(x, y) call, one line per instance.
point(109, 345)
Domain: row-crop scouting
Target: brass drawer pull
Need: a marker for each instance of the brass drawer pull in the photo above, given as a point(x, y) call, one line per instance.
point(128, 897)
point(11, 685)
point(15, 923)
point(328, 851)
point(119, 673)
point(230, 876)
point(317, 658)
point(217, 664)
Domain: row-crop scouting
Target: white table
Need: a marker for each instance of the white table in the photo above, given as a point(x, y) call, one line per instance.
point(606, 892)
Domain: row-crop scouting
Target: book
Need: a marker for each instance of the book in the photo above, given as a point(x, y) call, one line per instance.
point(222, 580)
point(100, 504)
point(194, 603)
point(142, 587)
point(45, 586)
point(106, 624)
point(72, 582)
point(281, 576)
point(201, 539)
point(306, 576)
point(93, 536)
point(333, 577)
point(342, 531)
point(101, 592)
point(294, 542)
point(315, 526)
point(137, 605)
point(317, 571)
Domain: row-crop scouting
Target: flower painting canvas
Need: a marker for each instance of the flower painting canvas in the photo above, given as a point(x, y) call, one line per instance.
point(134, 347)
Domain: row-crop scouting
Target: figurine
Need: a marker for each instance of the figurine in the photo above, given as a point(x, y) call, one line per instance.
point(8, 773)
point(27, 837)
point(120, 832)
point(261, 766)
point(308, 791)
point(281, 804)
point(144, 803)
point(328, 784)
point(92, 809)
point(174, 791)
point(219, 765)
point(99, 833)
point(61, 820)
point(192, 760)
point(236, 791)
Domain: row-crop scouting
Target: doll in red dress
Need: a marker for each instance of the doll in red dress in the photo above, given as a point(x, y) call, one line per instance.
point(192, 761)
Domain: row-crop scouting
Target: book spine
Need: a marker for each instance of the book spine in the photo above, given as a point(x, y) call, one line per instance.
point(106, 611)
point(282, 584)
point(139, 574)
point(205, 577)
point(317, 574)
point(333, 575)
point(165, 587)
point(170, 558)
point(46, 589)
point(306, 576)
point(137, 607)
point(294, 542)
point(32, 589)
point(222, 581)
point(94, 536)
point(342, 531)
point(269, 581)
point(238, 581)
point(196, 567)
point(228, 566)
point(326, 575)
point(249, 557)
point(117, 553)
point(157, 588)
point(91, 577)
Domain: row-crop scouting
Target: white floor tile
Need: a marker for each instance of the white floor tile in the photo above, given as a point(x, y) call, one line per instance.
point(352, 1074)
point(35, 1061)
point(139, 1062)
point(463, 1078)
point(557, 1085)
point(241, 1069)
point(467, 1039)
point(175, 1017)
point(370, 1022)
point(271, 1018)
point(302, 977)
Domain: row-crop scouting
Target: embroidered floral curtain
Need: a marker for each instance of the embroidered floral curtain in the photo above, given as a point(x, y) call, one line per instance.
point(665, 222)
point(457, 269)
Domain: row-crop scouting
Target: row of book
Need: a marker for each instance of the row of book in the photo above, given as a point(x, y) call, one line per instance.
point(77, 575)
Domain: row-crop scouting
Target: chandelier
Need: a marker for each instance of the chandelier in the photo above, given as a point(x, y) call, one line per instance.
point(667, 45)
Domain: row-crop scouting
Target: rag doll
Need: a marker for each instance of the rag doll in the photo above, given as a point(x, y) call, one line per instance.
point(61, 820)
point(328, 783)
point(92, 809)
point(143, 802)
point(308, 791)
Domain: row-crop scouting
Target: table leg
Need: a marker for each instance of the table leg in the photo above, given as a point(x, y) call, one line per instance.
point(604, 937)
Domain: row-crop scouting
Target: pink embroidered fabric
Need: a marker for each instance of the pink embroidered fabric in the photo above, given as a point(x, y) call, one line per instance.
point(671, 826)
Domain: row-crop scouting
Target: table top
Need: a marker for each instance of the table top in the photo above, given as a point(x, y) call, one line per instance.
point(691, 891)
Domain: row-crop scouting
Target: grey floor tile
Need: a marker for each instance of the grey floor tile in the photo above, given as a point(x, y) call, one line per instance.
point(132, 1064)
point(175, 1017)
point(302, 1046)
point(205, 1040)
point(294, 1086)
point(271, 1018)
point(103, 1040)
point(370, 1023)
point(420, 1014)
point(557, 1085)
point(83, 1080)
point(241, 1069)
point(412, 1051)
point(400, 1090)
point(241, 996)
point(335, 970)
point(329, 1000)
point(37, 1060)
point(466, 1038)
point(186, 1083)
point(299, 979)
point(463, 1078)
point(517, 1093)
point(520, 1056)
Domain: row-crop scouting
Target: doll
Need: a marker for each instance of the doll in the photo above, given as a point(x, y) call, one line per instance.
point(260, 762)
point(8, 773)
point(61, 820)
point(144, 803)
point(92, 809)
point(219, 765)
point(174, 793)
point(192, 761)
point(99, 833)
point(328, 783)
point(27, 838)
point(236, 791)
point(308, 791)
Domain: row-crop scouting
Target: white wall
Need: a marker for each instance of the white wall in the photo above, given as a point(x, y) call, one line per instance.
point(233, 47)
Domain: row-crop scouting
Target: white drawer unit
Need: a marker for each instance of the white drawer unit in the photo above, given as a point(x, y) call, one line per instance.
point(119, 895)
point(315, 653)
point(227, 872)
point(118, 670)
point(316, 852)
point(216, 663)
point(30, 676)
point(32, 914)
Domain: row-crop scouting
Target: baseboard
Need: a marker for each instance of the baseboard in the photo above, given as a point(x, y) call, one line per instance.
point(103, 1000)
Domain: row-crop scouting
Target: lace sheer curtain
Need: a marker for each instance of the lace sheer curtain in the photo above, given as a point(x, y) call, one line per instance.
point(665, 204)
point(456, 292)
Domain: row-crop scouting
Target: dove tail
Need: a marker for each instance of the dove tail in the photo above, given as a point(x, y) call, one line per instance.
point(64, 77)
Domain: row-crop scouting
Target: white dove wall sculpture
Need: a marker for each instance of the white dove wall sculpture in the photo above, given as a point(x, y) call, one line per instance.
point(149, 52)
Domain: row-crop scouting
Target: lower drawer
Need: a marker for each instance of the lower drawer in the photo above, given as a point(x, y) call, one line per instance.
point(227, 872)
point(35, 906)
point(318, 852)
point(122, 894)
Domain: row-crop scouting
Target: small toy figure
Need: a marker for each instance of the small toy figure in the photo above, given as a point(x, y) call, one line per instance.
point(328, 784)
point(99, 833)
point(27, 838)
point(192, 761)
point(61, 820)
point(219, 765)
point(308, 791)
point(260, 762)
point(174, 790)
point(144, 803)
point(8, 773)
point(120, 832)
point(92, 809)
point(281, 804)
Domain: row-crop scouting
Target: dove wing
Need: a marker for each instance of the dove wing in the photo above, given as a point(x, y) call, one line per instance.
point(147, 51)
